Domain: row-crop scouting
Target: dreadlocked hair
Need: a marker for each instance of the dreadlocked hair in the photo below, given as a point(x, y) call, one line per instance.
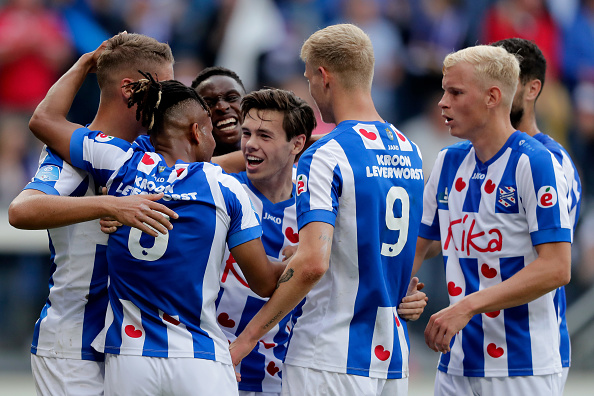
point(154, 99)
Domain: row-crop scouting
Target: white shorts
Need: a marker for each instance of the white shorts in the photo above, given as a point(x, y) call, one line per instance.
point(541, 385)
point(67, 377)
point(247, 393)
point(300, 381)
point(143, 375)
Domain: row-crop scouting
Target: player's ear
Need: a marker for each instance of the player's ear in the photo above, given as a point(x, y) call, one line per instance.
point(493, 96)
point(326, 76)
point(195, 133)
point(298, 143)
point(534, 88)
point(125, 88)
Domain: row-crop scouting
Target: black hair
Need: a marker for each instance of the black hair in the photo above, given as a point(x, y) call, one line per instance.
point(298, 116)
point(216, 71)
point(153, 99)
point(533, 64)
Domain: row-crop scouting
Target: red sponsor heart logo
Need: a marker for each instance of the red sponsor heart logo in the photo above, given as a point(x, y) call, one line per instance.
point(179, 171)
point(171, 319)
point(272, 369)
point(147, 160)
point(454, 290)
point(291, 235)
point(460, 184)
point(489, 186)
point(381, 353)
point(493, 314)
point(268, 345)
point(493, 351)
point(400, 136)
point(367, 134)
point(488, 272)
point(132, 332)
point(225, 321)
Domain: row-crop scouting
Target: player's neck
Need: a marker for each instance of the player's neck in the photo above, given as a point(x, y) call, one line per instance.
point(277, 188)
point(115, 122)
point(489, 141)
point(528, 124)
point(354, 106)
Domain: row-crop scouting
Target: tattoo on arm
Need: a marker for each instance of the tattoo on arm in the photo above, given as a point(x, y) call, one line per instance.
point(285, 277)
point(279, 315)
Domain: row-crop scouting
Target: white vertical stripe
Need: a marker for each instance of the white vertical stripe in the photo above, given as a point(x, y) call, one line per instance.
point(179, 339)
point(382, 343)
point(132, 332)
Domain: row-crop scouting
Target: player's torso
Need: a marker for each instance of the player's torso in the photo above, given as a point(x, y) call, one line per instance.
point(237, 304)
point(75, 309)
point(349, 321)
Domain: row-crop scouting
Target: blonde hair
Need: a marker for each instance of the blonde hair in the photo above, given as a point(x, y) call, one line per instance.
point(492, 65)
point(128, 53)
point(344, 50)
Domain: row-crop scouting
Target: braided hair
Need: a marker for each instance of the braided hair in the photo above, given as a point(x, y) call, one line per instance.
point(154, 99)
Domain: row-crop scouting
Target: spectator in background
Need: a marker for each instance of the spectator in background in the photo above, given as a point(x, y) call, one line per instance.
point(578, 51)
point(14, 172)
point(388, 49)
point(528, 19)
point(34, 48)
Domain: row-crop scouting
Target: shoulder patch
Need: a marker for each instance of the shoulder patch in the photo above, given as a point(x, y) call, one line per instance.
point(48, 173)
point(301, 184)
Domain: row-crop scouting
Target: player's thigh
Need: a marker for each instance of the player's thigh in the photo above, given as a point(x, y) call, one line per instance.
point(451, 385)
point(143, 375)
point(246, 393)
point(542, 385)
point(188, 376)
point(65, 377)
point(298, 381)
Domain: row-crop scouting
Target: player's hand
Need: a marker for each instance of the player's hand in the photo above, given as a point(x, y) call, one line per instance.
point(444, 324)
point(288, 252)
point(95, 54)
point(109, 225)
point(413, 304)
point(239, 349)
point(142, 212)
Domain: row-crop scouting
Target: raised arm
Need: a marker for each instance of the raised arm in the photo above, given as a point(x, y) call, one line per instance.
point(33, 209)
point(303, 271)
point(231, 162)
point(49, 123)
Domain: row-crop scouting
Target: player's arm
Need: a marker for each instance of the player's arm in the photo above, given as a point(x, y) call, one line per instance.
point(49, 123)
point(426, 249)
point(303, 271)
point(260, 273)
point(231, 162)
point(551, 270)
point(34, 209)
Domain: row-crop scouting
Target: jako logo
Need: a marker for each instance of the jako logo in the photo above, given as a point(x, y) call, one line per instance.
point(301, 184)
point(547, 197)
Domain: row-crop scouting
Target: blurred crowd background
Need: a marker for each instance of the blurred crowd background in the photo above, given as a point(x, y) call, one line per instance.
point(260, 40)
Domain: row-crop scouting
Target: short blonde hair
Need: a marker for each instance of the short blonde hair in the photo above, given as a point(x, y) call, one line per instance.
point(345, 50)
point(128, 53)
point(492, 65)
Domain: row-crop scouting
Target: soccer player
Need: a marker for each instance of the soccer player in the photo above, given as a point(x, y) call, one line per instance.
point(222, 89)
point(162, 290)
point(498, 205)
point(62, 360)
point(359, 192)
point(275, 128)
point(533, 67)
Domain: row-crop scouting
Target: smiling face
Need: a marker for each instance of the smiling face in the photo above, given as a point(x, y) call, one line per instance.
point(463, 102)
point(223, 95)
point(268, 155)
point(206, 140)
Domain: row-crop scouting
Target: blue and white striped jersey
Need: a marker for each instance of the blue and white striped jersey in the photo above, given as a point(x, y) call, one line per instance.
point(261, 370)
point(489, 216)
point(74, 311)
point(162, 290)
point(574, 200)
point(365, 179)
